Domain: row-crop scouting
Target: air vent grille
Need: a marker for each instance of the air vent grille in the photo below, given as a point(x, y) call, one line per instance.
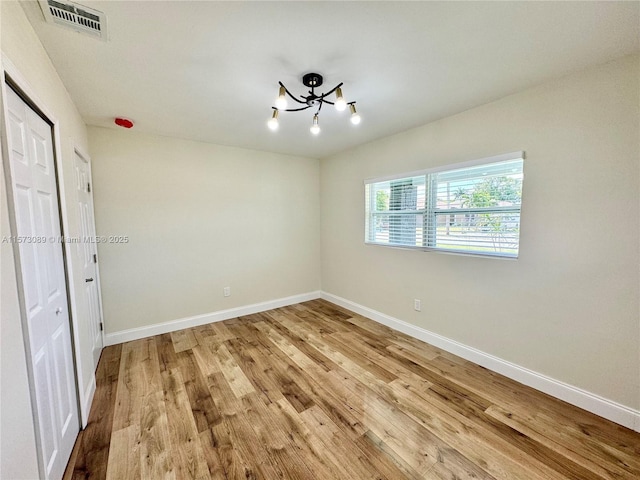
point(76, 17)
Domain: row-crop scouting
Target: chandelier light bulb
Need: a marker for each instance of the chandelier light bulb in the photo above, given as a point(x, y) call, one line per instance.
point(355, 116)
point(273, 121)
point(315, 128)
point(340, 102)
point(281, 101)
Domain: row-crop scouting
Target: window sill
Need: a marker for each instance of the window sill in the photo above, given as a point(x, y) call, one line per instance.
point(445, 252)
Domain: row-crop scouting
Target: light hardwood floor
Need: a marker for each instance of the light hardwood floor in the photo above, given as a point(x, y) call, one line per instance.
point(313, 391)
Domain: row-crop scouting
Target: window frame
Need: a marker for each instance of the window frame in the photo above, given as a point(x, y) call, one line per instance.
point(429, 234)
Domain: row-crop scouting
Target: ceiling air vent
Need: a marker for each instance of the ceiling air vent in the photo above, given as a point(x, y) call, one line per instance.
point(75, 17)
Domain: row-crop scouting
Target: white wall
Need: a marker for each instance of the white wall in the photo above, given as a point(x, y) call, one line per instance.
point(568, 307)
point(200, 217)
point(21, 46)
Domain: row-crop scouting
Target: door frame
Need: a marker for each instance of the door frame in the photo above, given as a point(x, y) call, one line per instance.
point(82, 154)
point(10, 74)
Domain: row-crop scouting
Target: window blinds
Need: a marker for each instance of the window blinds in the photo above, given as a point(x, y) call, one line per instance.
point(472, 209)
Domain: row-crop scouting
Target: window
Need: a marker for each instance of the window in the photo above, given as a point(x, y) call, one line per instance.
point(469, 208)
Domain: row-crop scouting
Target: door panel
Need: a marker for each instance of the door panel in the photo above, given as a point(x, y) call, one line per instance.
point(39, 145)
point(50, 252)
point(28, 257)
point(44, 399)
point(61, 355)
point(33, 180)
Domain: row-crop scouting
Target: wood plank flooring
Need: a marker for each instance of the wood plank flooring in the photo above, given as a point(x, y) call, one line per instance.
point(313, 391)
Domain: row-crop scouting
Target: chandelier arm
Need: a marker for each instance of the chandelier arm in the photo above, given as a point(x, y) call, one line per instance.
point(294, 109)
point(332, 90)
point(319, 106)
point(289, 93)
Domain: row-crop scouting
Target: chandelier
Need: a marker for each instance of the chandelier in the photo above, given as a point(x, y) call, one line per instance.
point(313, 81)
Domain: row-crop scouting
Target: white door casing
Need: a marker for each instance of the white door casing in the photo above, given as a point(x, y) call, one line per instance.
point(89, 253)
point(38, 232)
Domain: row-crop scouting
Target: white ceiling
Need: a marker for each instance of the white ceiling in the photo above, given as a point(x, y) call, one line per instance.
point(209, 71)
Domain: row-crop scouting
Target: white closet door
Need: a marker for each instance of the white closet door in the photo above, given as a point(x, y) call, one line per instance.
point(35, 197)
point(89, 254)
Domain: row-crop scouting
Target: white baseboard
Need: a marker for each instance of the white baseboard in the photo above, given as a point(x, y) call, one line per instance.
point(171, 326)
point(591, 402)
point(87, 400)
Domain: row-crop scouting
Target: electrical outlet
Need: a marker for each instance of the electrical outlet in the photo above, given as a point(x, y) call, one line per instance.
point(417, 305)
point(226, 291)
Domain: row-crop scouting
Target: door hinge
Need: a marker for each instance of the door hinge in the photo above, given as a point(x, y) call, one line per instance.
point(95, 258)
point(100, 326)
point(88, 187)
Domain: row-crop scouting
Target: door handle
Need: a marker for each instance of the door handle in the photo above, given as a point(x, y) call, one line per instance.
point(88, 280)
point(58, 310)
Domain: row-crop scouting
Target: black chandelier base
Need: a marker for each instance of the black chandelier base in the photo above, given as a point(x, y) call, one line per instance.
point(312, 80)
